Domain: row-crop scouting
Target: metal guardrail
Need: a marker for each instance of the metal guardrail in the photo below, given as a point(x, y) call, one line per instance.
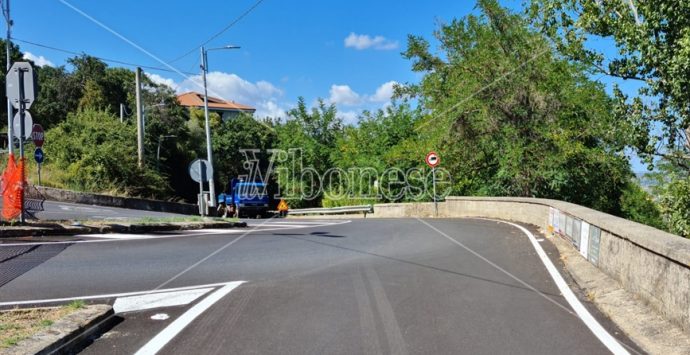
point(333, 210)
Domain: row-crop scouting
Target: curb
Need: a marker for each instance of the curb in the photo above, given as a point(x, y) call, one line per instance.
point(68, 335)
point(61, 230)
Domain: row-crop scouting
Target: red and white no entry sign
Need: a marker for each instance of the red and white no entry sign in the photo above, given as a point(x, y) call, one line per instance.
point(432, 159)
point(37, 135)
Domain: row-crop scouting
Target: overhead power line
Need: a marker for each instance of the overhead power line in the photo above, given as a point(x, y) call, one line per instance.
point(230, 25)
point(100, 58)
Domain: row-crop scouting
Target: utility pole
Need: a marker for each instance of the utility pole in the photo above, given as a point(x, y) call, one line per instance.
point(122, 113)
point(140, 120)
point(8, 49)
point(209, 150)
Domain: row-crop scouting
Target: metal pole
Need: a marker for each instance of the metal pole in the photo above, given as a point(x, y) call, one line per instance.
point(8, 49)
point(140, 121)
point(122, 113)
point(39, 174)
point(209, 148)
point(22, 108)
point(433, 178)
point(202, 175)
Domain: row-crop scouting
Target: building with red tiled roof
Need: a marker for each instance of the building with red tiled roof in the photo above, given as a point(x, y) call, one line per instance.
point(226, 109)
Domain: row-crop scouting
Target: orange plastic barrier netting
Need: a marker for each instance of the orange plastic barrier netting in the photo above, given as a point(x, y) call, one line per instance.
point(12, 185)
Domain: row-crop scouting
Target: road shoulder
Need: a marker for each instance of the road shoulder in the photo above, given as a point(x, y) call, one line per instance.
point(639, 321)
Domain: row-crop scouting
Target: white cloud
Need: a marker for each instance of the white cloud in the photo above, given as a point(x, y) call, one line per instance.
point(384, 92)
point(162, 81)
point(262, 95)
point(348, 117)
point(344, 95)
point(38, 60)
point(361, 42)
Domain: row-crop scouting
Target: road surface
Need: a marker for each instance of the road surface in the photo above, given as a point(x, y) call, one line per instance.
point(72, 211)
point(365, 286)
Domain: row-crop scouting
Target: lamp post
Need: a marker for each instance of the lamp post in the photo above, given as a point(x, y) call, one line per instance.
point(209, 150)
point(158, 151)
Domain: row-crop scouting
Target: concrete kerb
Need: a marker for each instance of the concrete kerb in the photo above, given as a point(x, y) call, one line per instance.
point(67, 335)
point(134, 228)
point(60, 195)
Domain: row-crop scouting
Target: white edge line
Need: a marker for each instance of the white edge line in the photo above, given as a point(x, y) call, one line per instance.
point(114, 295)
point(161, 339)
point(113, 240)
point(607, 339)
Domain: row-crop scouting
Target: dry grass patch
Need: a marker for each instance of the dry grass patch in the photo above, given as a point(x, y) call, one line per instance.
point(19, 324)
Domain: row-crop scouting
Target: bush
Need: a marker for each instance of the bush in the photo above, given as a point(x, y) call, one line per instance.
point(97, 153)
point(637, 205)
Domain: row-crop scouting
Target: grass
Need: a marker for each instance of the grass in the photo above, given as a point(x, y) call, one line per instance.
point(77, 304)
point(19, 324)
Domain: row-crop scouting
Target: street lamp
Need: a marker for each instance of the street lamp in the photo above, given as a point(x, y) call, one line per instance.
point(158, 152)
point(209, 152)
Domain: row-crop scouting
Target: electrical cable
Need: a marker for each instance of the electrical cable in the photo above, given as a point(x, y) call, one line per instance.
point(100, 58)
point(235, 21)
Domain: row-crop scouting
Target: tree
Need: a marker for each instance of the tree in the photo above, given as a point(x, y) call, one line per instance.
point(313, 134)
point(378, 141)
point(513, 119)
point(92, 151)
point(59, 94)
point(652, 48)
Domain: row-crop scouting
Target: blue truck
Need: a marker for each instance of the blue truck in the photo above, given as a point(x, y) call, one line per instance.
point(243, 199)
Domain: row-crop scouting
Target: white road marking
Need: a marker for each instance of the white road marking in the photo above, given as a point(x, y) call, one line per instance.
point(157, 300)
point(159, 341)
point(112, 295)
point(288, 225)
point(160, 316)
point(191, 233)
point(116, 236)
point(607, 339)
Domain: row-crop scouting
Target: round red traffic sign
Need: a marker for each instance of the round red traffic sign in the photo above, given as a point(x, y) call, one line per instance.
point(37, 135)
point(432, 159)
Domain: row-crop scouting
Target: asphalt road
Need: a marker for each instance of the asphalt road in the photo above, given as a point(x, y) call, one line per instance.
point(72, 211)
point(318, 287)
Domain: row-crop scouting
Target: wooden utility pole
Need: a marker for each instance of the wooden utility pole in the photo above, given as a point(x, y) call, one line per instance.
point(140, 121)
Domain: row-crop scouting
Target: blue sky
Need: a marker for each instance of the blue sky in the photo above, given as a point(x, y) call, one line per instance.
point(289, 49)
point(347, 52)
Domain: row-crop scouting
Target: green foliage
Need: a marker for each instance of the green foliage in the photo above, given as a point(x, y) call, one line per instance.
point(315, 133)
point(76, 304)
point(241, 133)
point(512, 119)
point(652, 47)
point(675, 204)
point(98, 153)
point(638, 205)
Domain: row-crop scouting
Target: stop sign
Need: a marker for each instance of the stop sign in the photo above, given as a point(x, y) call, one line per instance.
point(37, 135)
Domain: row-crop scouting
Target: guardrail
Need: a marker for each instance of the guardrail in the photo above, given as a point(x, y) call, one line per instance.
point(333, 210)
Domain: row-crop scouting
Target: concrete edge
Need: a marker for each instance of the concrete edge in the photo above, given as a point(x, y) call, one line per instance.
point(61, 195)
point(60, 230)
point(70, 333)
point(638, 320)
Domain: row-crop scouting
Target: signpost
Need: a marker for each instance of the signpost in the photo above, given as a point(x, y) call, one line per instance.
point(21, 92)
point(38, 155)
point(37, 135)
point(16, 125)
point(201, 171)
point(433, 160)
